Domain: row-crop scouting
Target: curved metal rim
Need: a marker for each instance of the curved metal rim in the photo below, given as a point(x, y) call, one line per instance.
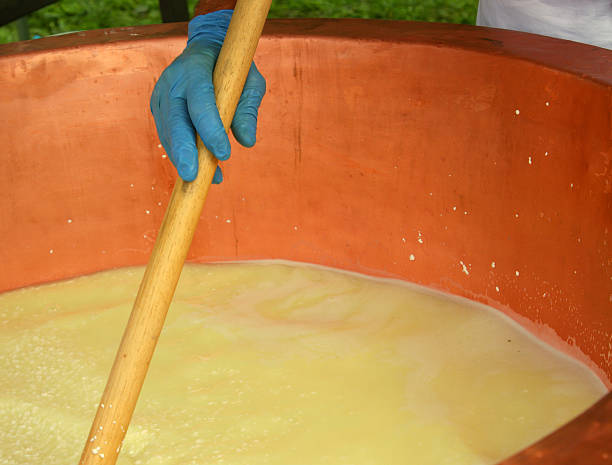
point(582, 60)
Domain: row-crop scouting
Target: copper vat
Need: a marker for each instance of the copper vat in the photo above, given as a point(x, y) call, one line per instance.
point(495, 146)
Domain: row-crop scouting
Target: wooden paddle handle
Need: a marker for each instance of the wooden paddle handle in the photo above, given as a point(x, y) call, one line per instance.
point(173, 241)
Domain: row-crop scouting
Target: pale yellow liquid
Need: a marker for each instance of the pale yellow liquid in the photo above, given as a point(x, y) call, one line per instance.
point(276, 364)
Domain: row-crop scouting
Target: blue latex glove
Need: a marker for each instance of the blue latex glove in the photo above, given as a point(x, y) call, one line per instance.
point(184, 99)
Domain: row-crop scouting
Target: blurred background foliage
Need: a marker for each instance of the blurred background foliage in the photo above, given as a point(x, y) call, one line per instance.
point(76, 15)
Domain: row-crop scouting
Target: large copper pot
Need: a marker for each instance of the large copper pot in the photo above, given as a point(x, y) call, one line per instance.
point(494, 147)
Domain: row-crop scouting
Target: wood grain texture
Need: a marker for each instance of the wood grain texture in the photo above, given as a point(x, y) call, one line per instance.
point(173, 241)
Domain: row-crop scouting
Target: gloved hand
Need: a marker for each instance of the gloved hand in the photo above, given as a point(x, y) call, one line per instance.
point(184, 99)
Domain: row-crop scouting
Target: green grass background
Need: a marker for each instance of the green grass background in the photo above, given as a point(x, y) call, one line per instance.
point(74, 15)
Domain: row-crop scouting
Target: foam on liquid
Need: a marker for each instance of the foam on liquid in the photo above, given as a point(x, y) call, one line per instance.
point(282, 364)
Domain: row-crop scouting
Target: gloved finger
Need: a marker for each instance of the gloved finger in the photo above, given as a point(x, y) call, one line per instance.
point(205, 117)
point(157, 111)
point(244, 124)
point(218, 177)
point(183, 151)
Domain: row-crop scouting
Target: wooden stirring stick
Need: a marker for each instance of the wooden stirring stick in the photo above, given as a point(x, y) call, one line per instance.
point(173, 241)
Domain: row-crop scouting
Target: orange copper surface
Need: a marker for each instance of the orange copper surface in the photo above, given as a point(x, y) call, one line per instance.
point(492, 147)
